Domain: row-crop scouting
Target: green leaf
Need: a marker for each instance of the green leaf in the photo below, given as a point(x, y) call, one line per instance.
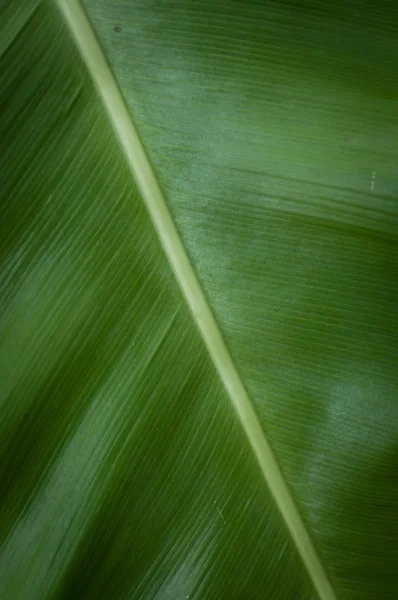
point(198, 325)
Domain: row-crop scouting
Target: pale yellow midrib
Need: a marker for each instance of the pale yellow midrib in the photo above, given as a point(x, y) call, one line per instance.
point(109, 91)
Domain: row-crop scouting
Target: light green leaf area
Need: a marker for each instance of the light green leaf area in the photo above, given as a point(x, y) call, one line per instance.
point(127, 471)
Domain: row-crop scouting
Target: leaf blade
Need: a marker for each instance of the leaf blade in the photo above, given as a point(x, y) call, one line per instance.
point(119, 447)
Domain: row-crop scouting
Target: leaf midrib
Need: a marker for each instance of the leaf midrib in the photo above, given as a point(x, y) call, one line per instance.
point(107, 88)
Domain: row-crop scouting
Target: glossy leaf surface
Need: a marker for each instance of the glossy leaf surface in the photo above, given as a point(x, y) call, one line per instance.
point(126, 472)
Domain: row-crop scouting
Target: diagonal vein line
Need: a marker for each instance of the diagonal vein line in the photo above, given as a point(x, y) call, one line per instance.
point(141, 169)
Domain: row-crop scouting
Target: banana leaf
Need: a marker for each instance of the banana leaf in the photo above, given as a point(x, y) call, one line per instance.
point(198, 300)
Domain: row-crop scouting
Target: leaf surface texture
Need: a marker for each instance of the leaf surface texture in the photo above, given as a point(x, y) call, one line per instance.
point(126, 473)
